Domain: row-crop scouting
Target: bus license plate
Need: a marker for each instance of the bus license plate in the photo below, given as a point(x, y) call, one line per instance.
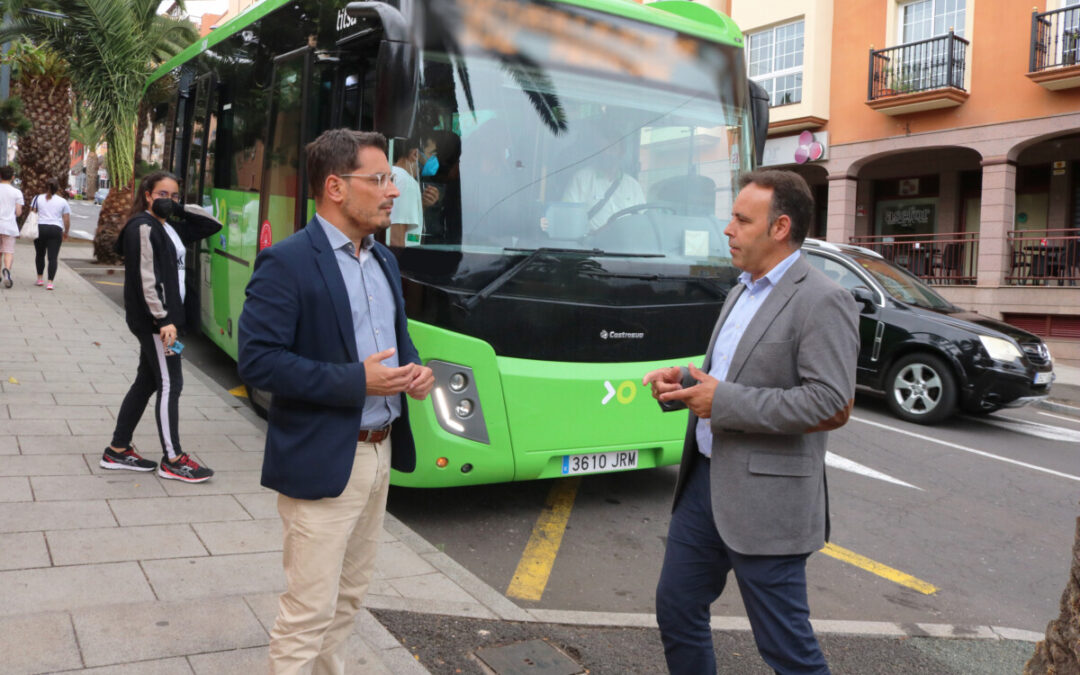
point(599, 461)
point(1043, 378)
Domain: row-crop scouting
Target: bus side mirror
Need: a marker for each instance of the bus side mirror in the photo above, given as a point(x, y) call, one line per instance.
point(397, 67)
point(759, 114)
point(865, 297)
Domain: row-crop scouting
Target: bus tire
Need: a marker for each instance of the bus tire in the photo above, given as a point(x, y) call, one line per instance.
point(260, 401)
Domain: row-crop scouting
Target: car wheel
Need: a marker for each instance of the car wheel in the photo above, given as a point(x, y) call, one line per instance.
point(920, 388)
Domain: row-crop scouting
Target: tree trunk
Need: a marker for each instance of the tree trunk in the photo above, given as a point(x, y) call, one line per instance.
point(113, 215)
point(140, 131)
point(119, 162)
point(1059, 653)
point(91, 173)
point(43, 151)
point(167, 161)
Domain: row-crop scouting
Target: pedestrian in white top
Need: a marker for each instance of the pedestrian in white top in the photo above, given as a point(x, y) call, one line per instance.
point(407, 215)
point(11, 206)
point(54, 221)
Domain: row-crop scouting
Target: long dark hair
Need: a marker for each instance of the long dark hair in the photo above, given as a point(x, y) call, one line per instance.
point(138, 200)
point(53, 186)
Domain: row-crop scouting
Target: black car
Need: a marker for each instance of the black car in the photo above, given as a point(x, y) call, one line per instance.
point(927, 355)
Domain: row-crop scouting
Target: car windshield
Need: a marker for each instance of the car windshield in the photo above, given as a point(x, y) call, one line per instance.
point(901, 284)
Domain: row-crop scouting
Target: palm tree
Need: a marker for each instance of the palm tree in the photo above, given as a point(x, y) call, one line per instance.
point(111, 47)
point(87, 133)
point(1059, 652)
point(43, 83)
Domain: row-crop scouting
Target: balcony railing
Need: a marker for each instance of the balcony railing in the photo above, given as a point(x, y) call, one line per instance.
point(1055, 39)
point(948, 258)
point(918, 66)
point(1044, 257)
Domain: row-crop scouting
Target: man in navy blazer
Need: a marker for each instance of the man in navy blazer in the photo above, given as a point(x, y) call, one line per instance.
point(324, 331)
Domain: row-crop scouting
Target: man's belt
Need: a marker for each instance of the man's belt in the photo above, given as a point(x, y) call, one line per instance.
point(373, 435)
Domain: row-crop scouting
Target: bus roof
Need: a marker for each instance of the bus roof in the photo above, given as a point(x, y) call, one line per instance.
point(683, 16)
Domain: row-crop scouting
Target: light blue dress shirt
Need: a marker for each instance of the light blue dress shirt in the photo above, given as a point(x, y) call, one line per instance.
point(373, 314)
point(731, 333)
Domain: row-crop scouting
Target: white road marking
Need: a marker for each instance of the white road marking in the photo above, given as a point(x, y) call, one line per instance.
point(845, 464)
point(1022, 426)
point(1060, 417)
point(964, 448)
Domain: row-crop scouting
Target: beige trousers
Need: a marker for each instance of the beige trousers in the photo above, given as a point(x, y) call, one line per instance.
point(329, 557)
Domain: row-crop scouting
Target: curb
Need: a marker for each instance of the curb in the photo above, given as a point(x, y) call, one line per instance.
point(1058, 407)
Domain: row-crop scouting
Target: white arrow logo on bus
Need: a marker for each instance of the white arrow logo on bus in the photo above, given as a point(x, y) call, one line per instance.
point(610, 392)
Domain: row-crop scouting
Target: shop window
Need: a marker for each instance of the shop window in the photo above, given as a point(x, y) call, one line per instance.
point(905, 206)
point(776, 62)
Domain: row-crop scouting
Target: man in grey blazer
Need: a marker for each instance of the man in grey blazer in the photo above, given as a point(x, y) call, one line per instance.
point(751, 495)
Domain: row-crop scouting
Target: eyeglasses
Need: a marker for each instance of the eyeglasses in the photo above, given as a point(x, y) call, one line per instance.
point(381, 180)
point(161, 194)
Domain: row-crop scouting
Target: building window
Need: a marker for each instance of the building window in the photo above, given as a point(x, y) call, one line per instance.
point(776, 62)
point(924, 19)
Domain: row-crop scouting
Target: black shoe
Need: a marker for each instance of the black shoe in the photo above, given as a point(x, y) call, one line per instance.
point(128, 459)
point(7, 278)
point(185, 469)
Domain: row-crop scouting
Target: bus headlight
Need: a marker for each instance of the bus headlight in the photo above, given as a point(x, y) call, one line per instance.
point(458, 382)
point(457, 401)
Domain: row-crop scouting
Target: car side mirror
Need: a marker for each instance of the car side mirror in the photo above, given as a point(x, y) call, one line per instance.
point(865, 297)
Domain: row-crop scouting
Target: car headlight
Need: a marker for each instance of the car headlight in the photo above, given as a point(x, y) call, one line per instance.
point(1000, 349)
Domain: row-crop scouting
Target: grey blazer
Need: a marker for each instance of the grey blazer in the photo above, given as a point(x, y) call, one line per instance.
point(792, 378)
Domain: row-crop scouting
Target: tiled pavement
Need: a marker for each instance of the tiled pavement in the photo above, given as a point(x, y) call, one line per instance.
point(118, 572)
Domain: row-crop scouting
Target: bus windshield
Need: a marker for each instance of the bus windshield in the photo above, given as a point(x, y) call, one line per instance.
point(525, 153)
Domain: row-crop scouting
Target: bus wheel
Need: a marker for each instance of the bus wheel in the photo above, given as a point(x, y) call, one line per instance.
point(260, 400)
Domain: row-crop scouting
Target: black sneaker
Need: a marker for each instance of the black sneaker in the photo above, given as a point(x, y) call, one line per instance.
point(185, 469)
point(7, 278)
point(128, 459)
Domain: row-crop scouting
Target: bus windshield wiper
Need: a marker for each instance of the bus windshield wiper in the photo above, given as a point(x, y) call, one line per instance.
point(710, 284)
point(509, 274)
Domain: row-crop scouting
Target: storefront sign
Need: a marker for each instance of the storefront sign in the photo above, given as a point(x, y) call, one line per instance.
point(798, 149)
point(908, 216)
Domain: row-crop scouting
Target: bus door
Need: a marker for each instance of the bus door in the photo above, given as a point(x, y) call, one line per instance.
point(282, 205)
point(200, 308)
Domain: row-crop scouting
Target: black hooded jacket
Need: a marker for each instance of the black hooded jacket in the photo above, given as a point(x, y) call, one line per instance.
point(151, 274)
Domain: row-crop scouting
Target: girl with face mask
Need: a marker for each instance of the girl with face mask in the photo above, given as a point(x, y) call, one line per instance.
point(153, 243)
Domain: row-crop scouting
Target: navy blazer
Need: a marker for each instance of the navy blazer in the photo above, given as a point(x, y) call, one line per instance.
point(297, 342)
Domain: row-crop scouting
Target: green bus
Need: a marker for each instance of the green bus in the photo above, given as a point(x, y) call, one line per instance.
point(587, 155)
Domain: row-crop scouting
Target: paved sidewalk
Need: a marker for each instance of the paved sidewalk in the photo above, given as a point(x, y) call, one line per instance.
point(120, 573)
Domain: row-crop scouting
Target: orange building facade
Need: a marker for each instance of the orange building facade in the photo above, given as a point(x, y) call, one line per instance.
point(944, 134)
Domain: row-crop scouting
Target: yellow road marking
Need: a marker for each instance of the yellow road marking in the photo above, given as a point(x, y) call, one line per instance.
point(110, 283)
point(874, 567)
point(240, 391)
point(534, 568)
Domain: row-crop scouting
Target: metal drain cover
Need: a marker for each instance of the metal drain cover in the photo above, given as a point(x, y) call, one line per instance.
point(534, 657)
